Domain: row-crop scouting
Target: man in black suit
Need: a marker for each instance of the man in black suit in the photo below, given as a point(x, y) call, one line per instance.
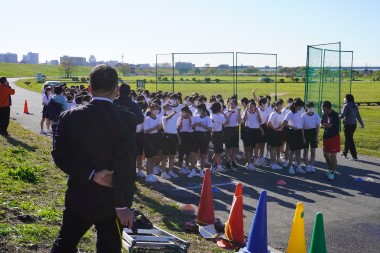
point(95, 146)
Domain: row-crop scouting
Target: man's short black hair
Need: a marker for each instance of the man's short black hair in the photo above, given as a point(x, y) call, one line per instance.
point(58, 90)
point(3, 79)
point(124, 90)
point(326, 104)
point(103, 78)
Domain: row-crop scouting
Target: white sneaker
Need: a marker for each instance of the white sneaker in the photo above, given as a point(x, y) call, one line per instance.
point(300, 170)
point(312, 168)
point(151, 178)
point(275, 166)
point(291, 170)
point(184, 171)
point(198, 163)
point(165, 175)
point(193, 173)
point(172, 174)
point(280, 161)
point(49, 131)
point(257, 162)
point(267, 156)
point(307, 169)
point(140, 173)
point(238, 157)
point(220, 169)
point(201, 173)
point(250, 167)
point(43, 132)
point(285, 164)
point(156, 170)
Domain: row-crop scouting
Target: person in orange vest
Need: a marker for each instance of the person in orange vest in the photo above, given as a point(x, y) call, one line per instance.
point(5, 105)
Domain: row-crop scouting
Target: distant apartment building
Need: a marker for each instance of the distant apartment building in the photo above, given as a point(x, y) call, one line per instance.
point(8, 57)
point(92, 60)
point(184, 67)
point(30, 58)
point(112, 63)
point(78, 61)
point(54, 62)
point(143, 66)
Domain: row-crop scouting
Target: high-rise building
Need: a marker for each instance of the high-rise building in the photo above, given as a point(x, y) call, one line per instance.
point(78, 61)
point(30, 58)
point(54, 62)
point(8, 57)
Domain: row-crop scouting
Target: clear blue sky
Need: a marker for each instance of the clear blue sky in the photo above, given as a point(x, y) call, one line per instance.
point(140, 29)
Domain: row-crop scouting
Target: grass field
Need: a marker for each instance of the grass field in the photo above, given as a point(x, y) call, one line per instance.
point(32, 197)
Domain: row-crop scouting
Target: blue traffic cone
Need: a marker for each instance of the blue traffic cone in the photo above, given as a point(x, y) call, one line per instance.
point(258, 237)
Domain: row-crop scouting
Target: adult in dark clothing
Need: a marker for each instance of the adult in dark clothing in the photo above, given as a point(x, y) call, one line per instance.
point(350, 115)
point(5, 105)
point(95, 146)
point(331, 137)
point(125, 101)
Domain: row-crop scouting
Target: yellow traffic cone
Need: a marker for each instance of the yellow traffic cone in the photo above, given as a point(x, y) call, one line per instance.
point(297, 240)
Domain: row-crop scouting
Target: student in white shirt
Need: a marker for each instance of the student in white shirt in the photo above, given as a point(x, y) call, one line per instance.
point(202, 126)
point(152, 125)
point(311, 124)
point(171, 140)
point(218, 118)
point(275, 135)
point(262, 139)
point(285, 132)
point(231, 133)
point(140, 145)
point(295, 136)
point(252, 120)
point(186, 134)
point(45, 101)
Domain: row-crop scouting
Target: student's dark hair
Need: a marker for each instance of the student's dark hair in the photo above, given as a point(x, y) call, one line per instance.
point(290, 100)
point(268, 97)
point(262, 101)
point(252, 101)
point(278, 102)
point(87, 98)
point(202, 98)
point(3, 79)
point(281, 100)
point(202, 107)
point(326, 104)
point(296, 102)
point(58, 90)
point(142, 106)
point(103, 78)
point(350, 98)
point(244, 100)
point(124, 90)
point(78, 100)
point(212, 99)
point(221, 101)
point(216, 107)
point(151, 108)
point(233, 101)
point(69, 97)
point(309, 104)
point(146, 93)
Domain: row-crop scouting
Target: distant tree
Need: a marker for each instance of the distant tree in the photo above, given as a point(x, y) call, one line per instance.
point(207, 80)
point(124, 68)
point(217, 80)
point(251, 70)
point(296, 79)
point(194, 79)
point(165, 78)
point(67, 66)
point(282, 80)
point(181, 79)
point(197, 71)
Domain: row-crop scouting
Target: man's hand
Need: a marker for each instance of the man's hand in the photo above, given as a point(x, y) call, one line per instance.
point(125, 216)
point(103, 178)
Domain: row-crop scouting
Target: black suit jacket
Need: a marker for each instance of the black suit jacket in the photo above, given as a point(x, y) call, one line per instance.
point(97, 136)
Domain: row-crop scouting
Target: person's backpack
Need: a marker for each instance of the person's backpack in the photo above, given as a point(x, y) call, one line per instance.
point(54, 109)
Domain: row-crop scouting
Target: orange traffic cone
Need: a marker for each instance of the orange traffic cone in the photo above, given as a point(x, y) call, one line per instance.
point(206, 215)
point(26, 110)
point(234, 229)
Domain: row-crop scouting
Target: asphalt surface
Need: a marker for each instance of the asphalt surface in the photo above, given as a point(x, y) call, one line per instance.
point(351, 209)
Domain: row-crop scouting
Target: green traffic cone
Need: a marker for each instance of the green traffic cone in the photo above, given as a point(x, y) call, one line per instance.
point(318, 241)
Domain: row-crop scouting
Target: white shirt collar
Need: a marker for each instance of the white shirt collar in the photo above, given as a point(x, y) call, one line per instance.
point(102, 99)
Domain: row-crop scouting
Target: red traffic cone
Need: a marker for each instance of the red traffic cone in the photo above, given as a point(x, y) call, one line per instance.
point(206, 214)
point(234, 229)
point(26, 110)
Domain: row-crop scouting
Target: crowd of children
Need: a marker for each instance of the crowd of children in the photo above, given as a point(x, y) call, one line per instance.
point(197, 131)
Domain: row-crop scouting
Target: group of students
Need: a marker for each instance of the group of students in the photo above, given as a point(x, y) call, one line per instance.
point(195, 128)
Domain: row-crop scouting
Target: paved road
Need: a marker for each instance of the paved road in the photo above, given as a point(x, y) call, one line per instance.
point(351, 209)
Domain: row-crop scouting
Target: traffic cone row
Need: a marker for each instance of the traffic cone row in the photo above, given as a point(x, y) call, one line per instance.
point(257, 241)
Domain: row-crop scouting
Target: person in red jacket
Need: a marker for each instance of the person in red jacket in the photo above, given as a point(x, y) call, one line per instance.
point(5, 105)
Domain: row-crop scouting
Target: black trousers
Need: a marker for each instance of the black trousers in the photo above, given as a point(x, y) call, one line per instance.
point(86, 206)
point(5, 113)
point(349, 143)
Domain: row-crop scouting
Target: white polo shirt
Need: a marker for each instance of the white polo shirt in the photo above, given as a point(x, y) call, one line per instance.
point(217, 120)
point(186, 125)
point(264, 116)
point(310, 121)
point(149, 123)
point(169, 125)
point(233, 118)
point(294, 119)
point(252, 120)
point(205, 120)
point(275, 119)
